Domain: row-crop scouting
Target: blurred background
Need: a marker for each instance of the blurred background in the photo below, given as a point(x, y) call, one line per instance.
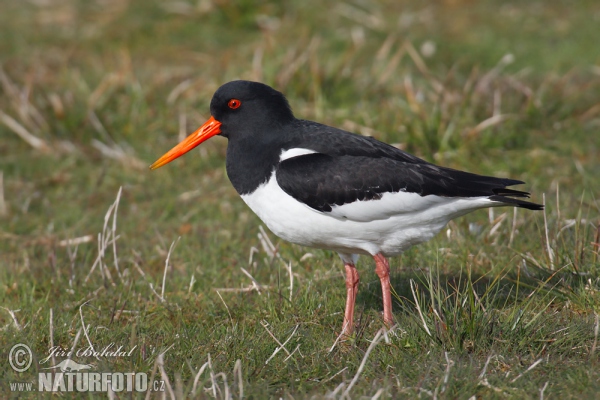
point(92, 92)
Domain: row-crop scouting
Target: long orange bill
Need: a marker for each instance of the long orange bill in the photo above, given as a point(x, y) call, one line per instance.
point(210, 128)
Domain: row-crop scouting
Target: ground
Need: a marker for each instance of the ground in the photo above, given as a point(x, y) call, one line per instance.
point(96, 250)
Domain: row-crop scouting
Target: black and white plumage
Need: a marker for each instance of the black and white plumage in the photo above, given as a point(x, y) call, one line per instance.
point(318, 186)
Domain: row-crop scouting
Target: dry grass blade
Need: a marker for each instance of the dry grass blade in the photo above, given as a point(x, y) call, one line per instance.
point(497, 223)
point(421, 66)
point(378, 337)
point(116, 152)
point(257, 67)
point(485, 366)
point(596, 244)
point(192, 281)
point(412, 289)
point(85, 329)
point(181, 135)
point(392, 66)
point(105, 238)
point(265, 325)
point(14, 317)
point(378, 394)
point(290, 69)
point(237, 372)
point(291, 274)
point(272, 253)
point(178, 90)
point(156, 368)
point(19, 99)
point(333, 394)
point(246, 289)
point(336, 374)
point(163, 374)
point(114, 232)
point(3, 207)
point(513, 227)
point(548, 248)
point(23, 133)
point(543, 389)
point(532, 366)
point(384, 50)
point(108, 83)
point(338, 337)
point(75, 341)
point(255, 284)
point(449, 364)
point(362, 17)
point(596, 330)
point(51, 323)
point(485, 383)
point(487, 79)
point(76, 241)
point(197, 377)
point(488, 123)
point(411, 97)
point(215, 390)
point(225, 304)
point(214, 385)
point(253, 250)
point(164, 281)
point(281, 345)
point(57, 105)
point(266, 242)
point(293, 352)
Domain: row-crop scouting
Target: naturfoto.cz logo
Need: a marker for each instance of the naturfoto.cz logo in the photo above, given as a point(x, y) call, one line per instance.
point(71, 376)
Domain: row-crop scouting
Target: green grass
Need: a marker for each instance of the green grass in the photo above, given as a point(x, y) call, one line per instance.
point(508, 303)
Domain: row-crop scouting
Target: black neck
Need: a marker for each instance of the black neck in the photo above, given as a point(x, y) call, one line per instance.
point(250, 163)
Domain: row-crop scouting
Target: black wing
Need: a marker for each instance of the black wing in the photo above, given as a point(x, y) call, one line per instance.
point(323, 180)
point(336, 142)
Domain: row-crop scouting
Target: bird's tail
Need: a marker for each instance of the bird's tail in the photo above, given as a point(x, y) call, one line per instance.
point(501, 195)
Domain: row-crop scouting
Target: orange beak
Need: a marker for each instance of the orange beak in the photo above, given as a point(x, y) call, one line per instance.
point(206, 131)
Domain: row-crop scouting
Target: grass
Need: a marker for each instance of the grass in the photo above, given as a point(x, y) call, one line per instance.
point(95, 249)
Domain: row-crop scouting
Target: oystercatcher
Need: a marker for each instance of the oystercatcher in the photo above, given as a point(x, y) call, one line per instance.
point(319, 186)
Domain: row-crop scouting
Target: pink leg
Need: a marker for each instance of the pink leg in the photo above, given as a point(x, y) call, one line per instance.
point(351, 289)
point(383, 271)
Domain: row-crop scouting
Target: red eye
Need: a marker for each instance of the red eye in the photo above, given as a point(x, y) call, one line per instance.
point(234, 103)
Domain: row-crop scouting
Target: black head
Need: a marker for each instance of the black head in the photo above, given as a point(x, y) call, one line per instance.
point(244, 107)
point(242, 111)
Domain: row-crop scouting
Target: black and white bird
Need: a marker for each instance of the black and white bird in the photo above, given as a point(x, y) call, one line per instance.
point(319, 186)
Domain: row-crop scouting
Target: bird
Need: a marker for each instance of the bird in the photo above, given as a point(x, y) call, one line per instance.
point(322, 187)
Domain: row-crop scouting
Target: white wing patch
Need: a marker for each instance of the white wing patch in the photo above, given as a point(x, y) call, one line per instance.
point(408, 205)
point(295, 152)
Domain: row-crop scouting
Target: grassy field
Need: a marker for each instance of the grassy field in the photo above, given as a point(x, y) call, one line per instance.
point(95, 249)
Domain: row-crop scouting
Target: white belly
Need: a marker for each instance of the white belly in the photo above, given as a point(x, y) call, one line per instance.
point(389, 226)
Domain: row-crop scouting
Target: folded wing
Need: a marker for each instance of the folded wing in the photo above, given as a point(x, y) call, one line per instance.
point(323, 181)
